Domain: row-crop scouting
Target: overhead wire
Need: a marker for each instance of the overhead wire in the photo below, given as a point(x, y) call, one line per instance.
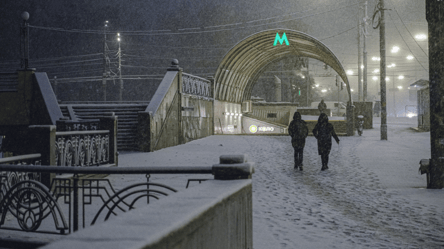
point(408, 45)
point(152, 33)
point(406, 28)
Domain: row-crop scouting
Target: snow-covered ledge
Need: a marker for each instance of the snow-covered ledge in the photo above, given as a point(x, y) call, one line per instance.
point(214, 214)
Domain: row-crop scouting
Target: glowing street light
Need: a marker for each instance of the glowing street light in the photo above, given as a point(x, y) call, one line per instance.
point(420, 37)
point(395, 49)
point(391, 65)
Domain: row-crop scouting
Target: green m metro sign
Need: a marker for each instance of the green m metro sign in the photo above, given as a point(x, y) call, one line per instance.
point(281, 40)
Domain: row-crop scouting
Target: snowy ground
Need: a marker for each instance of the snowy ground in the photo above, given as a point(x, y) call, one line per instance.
point(371, 197)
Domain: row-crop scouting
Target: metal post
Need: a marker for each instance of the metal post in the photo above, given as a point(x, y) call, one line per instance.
point(364, 90)
point(104, 61)
point(338, 83)
point(75, 202)
point(359, 61)
point(308, 81)
point(120, 69)
point(24, 40)
point(394, 94)
point(383, 74)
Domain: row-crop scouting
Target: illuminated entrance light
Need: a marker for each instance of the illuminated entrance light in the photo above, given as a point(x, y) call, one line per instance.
point(263, 128)
point(253, 128)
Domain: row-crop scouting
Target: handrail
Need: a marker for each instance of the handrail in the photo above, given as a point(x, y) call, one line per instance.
point(20, 158)
point(67, 133)
point(108, 170)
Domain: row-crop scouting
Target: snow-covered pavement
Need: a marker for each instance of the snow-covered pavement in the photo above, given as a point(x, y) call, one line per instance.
point(371, 197)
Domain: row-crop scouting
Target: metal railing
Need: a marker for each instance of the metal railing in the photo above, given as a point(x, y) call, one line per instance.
point(32, 204)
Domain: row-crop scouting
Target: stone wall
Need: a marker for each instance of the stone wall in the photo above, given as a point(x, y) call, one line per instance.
point(181, 110)
point(214, 214)
point(197, 122)
point(224, 122)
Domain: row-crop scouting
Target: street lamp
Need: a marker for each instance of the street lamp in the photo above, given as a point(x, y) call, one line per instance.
point(420, 37)
point(395, 49)
point(120, 68)
point(24, 40)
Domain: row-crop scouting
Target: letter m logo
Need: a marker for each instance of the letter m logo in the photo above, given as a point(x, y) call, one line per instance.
point(281, 40)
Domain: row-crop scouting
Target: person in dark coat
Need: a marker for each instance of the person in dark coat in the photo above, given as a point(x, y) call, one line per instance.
point(322, 106)
point(298, 131)
point(323, 132)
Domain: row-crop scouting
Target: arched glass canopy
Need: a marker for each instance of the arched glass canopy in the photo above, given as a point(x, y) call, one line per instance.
point(246, 61)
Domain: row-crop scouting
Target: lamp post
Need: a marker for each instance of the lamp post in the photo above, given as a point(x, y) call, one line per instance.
point(120, 68)
point(104, 61)
point(383, 73)
point(24, 41)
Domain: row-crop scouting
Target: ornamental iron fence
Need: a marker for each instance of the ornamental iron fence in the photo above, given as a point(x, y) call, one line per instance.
point(74, 200)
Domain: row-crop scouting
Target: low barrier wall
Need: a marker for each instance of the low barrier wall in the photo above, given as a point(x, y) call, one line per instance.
point(214, 214)
point(339, 125)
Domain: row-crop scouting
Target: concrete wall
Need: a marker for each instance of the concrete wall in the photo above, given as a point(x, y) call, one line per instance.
point(339, 125)
point(227, 124)
point(251, 125)
point(284, 111)
point(197, 123)
point(164, 113)
point(214, 214)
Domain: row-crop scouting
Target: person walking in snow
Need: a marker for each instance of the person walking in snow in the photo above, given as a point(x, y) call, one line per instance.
point(322, 106)
point(298, 131)
point(323, 132)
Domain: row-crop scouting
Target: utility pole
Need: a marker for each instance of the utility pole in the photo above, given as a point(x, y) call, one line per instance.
point(435, 20)
point(339, 84)
point(120, 68)
point(364, 92)
point(383, 74)
point(359, 60)
point(104, 61)
point(307, 80)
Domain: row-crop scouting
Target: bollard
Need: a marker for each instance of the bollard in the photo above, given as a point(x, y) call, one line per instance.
point(232, 167)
